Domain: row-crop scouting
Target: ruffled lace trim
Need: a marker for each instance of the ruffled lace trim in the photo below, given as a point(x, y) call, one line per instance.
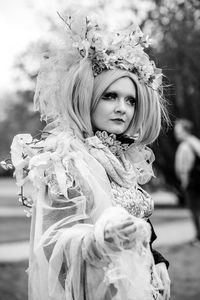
point(110, 141)
point(141, 157)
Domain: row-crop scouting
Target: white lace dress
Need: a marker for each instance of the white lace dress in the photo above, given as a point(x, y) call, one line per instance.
point(78, 188)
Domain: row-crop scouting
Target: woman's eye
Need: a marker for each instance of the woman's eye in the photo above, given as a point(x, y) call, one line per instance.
point(131, 101)
point(109, 96)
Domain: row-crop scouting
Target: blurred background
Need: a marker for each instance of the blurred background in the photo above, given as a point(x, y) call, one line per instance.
point(174, 29)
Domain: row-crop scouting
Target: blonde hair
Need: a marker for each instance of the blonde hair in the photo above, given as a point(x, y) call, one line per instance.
point(146, 122)
point(81, 93)
point(76, 97)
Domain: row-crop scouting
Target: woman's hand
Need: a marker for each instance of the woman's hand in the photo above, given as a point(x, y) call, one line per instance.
point(121, 235)
point(164, 277)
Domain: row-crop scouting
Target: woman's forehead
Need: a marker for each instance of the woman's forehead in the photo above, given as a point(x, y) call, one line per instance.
point(122, 85)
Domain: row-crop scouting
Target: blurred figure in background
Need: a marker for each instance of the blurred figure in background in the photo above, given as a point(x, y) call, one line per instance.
point(187, 168)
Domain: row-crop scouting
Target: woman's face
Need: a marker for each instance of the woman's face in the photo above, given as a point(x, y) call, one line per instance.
point(116, 107)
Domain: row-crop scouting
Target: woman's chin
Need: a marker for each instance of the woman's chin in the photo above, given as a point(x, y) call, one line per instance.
point(115, 130)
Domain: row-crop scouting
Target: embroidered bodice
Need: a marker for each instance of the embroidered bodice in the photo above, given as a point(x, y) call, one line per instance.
point(135, 200)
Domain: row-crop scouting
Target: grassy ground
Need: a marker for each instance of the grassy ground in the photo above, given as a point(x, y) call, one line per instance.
point(14, 229)
point(13, 281)
point(184, 272)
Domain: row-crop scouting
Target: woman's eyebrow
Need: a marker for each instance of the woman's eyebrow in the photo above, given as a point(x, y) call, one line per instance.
point(132, 96)
point(110, 92)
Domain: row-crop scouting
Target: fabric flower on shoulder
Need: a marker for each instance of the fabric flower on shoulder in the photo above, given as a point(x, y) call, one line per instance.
point(141, 158)
point(21, 153)
point(24, 148)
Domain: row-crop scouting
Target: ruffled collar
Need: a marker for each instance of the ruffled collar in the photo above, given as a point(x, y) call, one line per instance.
point(120, 152)
point(116, 144)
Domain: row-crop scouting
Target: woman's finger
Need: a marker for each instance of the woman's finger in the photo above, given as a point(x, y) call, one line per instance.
point(129, 229)
point(166, 295)
point(124, 224)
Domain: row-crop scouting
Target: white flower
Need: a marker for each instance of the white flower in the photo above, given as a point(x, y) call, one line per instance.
point(20, 148)
point(123, 49)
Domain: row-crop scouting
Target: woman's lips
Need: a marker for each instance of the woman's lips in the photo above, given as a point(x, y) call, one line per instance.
point(119, 121)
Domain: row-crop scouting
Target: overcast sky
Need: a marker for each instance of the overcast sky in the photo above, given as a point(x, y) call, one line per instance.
point(23, 21)
point(20, 23)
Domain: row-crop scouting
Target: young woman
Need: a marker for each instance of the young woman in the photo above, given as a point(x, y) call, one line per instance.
point(90, 238)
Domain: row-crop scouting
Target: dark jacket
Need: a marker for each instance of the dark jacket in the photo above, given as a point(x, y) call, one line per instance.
point(158, 258)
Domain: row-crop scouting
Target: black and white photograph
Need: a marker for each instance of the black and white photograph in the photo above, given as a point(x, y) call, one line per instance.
point(100, 150)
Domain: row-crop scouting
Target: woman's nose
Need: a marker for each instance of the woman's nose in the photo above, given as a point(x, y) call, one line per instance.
point(120, 106)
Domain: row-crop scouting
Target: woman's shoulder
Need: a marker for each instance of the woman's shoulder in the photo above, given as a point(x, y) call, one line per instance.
point(59, 142)
point(24, 145)
point(194, 143)
point(32, 158)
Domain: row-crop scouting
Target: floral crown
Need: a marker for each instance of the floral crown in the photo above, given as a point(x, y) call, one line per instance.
point(108, 50)
point(82, 39)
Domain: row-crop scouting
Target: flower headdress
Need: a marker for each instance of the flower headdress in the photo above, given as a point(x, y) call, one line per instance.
point(85, 39)
point(108, 50)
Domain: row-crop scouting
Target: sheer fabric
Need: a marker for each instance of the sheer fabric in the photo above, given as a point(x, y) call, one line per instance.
point(73, 201)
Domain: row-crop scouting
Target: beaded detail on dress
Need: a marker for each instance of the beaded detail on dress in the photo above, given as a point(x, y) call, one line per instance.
point(135, 200)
